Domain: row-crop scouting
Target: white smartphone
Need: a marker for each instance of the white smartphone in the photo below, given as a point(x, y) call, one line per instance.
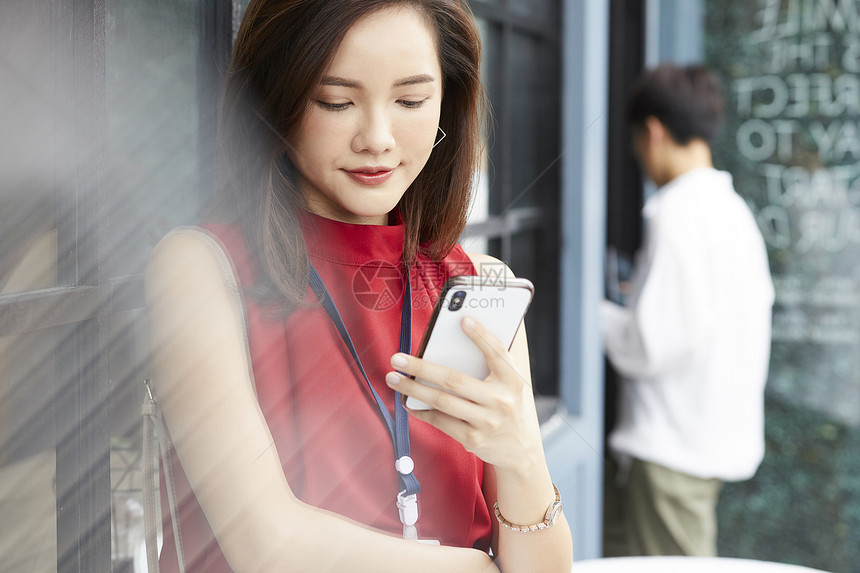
point(498, 303)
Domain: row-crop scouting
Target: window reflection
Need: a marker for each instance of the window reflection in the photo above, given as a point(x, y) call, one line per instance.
point(791, 143)
point(28, 395)
point(152, 57)
point(28, 256)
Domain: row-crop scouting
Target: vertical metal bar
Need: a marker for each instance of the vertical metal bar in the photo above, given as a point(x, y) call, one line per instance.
point(624, 179)
point(83, 443)
point(498, 86)
point(505, 104)
point(543, 345)
point(585, 41)
point(492, 70)
point(625, 192)
point(217, 22)
point(63, 25)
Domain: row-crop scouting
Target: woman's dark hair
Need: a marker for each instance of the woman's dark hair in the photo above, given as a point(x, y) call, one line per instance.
point(281, 52)
point(687, 100)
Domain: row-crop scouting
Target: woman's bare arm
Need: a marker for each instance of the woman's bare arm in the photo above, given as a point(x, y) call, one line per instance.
point(204, 380)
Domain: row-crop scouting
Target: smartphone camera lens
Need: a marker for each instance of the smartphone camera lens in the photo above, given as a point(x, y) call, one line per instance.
point(457, 300)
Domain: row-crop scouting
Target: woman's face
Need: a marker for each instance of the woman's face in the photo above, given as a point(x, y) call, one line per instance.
point(370, 126)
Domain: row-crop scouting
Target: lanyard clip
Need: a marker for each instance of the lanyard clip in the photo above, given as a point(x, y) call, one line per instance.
point(407, 507)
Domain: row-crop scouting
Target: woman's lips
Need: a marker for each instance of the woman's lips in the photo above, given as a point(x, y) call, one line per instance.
point(370, 176)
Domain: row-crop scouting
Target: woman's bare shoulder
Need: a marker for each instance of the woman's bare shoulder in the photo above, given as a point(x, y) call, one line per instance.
point(487, 265)
point(194, 301)
point(186, 244)
point(190, 259)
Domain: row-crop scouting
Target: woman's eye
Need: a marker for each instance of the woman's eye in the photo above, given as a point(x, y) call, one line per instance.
point(412, 104)
point(333, 106)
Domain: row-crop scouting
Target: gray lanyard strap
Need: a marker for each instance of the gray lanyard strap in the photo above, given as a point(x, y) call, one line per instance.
point(398, 428)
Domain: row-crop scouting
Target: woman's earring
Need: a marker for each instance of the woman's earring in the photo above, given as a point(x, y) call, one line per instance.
point(438, 141)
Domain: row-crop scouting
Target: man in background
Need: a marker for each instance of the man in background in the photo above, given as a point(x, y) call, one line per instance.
point(693, 342)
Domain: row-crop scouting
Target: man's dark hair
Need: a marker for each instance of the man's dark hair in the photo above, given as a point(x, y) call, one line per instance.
point(687, 100)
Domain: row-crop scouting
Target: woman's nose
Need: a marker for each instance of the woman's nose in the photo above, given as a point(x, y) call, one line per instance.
point(375, 134)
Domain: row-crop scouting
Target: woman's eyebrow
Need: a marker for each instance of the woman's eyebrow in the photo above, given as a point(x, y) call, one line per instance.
point(341, 82)
point(413, 80)
point(347, 83)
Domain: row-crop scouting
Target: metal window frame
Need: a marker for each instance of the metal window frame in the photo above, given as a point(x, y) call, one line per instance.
point(82, 426)
point(576, 456)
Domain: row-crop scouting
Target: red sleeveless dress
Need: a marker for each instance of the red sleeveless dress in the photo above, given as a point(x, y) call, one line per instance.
point(333, 443)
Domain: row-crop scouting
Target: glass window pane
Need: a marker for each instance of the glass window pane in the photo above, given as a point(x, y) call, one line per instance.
point(152, 56)
point(128, 368)
point(28, 237)
point(28, 438)
point(533, 122)
point(541, 10)
point(526, 102)
point(791, 143)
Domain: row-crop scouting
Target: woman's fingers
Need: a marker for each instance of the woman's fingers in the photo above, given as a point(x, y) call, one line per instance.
point(462, 419)
point(486, 416)
point(437, 386)
point(499, 360)
point(471, 438)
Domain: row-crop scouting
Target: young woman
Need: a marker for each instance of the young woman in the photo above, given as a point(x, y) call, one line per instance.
point(350, 134)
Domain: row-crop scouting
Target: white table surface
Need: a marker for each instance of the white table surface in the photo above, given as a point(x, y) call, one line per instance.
point(684, 565)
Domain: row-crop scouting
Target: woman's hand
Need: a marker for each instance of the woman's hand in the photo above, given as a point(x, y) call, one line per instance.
point(493, 418)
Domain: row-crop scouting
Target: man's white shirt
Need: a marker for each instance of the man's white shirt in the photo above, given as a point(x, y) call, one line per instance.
point(693, 344)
